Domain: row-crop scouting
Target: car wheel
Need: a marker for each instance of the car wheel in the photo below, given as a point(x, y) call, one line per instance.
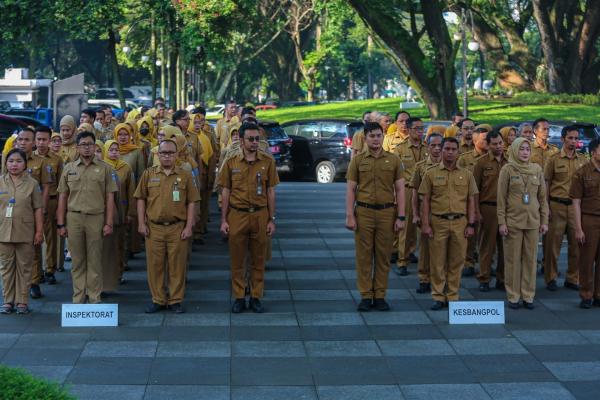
point(325, 172)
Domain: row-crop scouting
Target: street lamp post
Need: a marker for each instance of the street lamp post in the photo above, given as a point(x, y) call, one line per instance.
point(465, 86)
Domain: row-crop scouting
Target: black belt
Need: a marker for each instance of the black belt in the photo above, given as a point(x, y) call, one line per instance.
point(450, 216)
point(53, 197)
point(375, 206)
point(165, 223)
point(489, 203)
point(248, 210)
point(566, 202)
point(84, 213)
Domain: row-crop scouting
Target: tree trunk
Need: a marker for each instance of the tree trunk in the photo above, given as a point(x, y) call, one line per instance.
point(112, 51)
point(220, 95)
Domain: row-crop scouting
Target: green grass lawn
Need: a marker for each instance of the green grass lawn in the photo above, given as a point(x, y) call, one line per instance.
point(488, 111)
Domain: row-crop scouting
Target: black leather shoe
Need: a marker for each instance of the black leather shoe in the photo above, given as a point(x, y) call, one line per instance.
point(514, 306)
point(570, 285)
point(35, 292)
point(238, 306)
point(50, 279)
point(587, 304)
point(551, 286)
point(424, 288)
point(484, 287)
point(394, 258)
point(255, 305)
point(596, 303)
point(528, 306)
point(402, 271)
point(469, 271)
point(43, 279)
point(437, 305)
point(152, 308)
point(381, 305)
point(177, 308)
point(364, 305)
point(500, 286)
point(413, 259)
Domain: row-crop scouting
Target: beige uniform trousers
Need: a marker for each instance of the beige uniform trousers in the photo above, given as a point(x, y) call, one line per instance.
point(589, 258)
point(562, 222)
point(50, 237)
point(85, 244)
point(407, 237)
point(490, 241)
point(15, 268)
point(110, 262)
point(164, 244)
point(424, 270)
point(446, 257)
point(520, 261)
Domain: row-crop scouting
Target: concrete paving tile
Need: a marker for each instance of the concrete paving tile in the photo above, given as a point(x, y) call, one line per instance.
point(273, 393)
point(403, 348)
point(574, 370)
point(107, 392)
point(433, 370)
point(351, 371)
point(383, 332)
point(528, 390)
point(445, 391)
point(358, 392)
point(120, 349)
point(307, 254)
point(267, 319)
point(346, 332)
point(549, 337)
point(54, 373)
point(193, 349)
point(30, 356)
point(329, 306)
point(583, 390)
point(318, 284)
point(208, 319)
point(277, 294)
point(487, 346)
point(396, 318)
point(329, 319)
point(52, 340)
point(191, 333)
point(473, 331)
point(267, 349)
point(7, 340)
point(592, 335)
point(123, 333)
point(140, 320)
point(587, 352)
point(507, 368)
point(190, 371)
point(260, 333)
point(342, 348)
point(269, 371)
point(320, 295)
point(111, 371)
point(187, 392)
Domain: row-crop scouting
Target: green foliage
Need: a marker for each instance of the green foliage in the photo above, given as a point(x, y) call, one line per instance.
point(562, 98)
point(16, 384)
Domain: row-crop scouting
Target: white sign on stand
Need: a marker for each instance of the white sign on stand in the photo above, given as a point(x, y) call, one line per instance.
point(476, 312)
point(77, 315)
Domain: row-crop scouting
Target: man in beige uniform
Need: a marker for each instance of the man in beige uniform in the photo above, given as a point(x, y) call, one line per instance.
point(166, 197)
point(358, 140)
point(434, 148)
point(411, 151)
point(393, 140)
point(86, 203)
point(229, 119)
point(467, 160)
point(558, 173)
point(449, 195)
point(466, 126)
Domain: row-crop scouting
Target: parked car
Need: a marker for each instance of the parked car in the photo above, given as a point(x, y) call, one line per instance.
point(322, 147)
point(38, 116)
point(215, 111)
point(280, 145)
point(264, 107)
point(8, 126)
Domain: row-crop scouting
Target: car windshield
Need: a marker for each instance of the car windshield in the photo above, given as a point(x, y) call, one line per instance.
point(275, 132)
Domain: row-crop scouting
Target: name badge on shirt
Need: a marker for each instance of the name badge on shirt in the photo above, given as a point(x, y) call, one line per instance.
point(9, 209)
point(525, 198)
point(176, 195)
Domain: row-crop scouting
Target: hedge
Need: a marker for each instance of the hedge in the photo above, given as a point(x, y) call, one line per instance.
point(16, 384)
point(562, 98)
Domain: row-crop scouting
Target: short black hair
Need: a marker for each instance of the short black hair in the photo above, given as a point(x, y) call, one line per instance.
point(492, 135)
point(28, 129)
point(85, 134)
point(450, 139)
point(159, 100)
point(410, 121)
point(247, 126)
point(567, 129)
point(250, 119)
point(401, 112)
point(90, 113)
point(459, 114)
point(179, 114)
point(593, 145)
point(43, 128)
point(372, 126)
point(248, 110)
point(460, 124)
point(200, 110)
point(365, 113)
point(538, 121)
point(19, 152)
point(99, 110)
point(434, 135)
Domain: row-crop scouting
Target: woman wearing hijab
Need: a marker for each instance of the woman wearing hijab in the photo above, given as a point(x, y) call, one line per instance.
point(68, 132)
point(509, 134)
point(164, 132)
point(522, 217)
point(206, 172)
point(21, 228)
point(99, 151)
point(126, 208)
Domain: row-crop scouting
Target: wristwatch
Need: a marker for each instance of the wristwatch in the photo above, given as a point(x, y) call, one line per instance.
point(60, 226)
point(401, 217)
point(273, 218)
point(471, 225)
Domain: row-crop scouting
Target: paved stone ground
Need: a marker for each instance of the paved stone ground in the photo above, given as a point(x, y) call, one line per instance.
point(311, 344)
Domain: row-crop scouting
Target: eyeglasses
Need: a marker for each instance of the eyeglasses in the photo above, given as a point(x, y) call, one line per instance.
point(418, 128)
point(86, 145)
point(468, 128)
point(184, 119)
point(253, 139)
point(167, 153)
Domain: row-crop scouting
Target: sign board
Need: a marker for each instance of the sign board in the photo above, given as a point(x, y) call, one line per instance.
point(76, 315)
point(476, 312)
point(69, 98)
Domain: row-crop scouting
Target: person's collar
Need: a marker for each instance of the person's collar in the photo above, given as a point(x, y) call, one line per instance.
point(370, 153)
point(411, 144)
point(563, 153)
point(441, 165)
point(37, 153)
point(160, 169)
point(79, 161)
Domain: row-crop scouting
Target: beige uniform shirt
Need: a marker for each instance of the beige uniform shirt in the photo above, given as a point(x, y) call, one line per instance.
point(448, 190)
point(541, 155)
point(559, 171)
point(410, 154)
point(223, 130)
point(54, 167)
point(375, 177)
point(69, 153)
point(486, 173)
point(25, 198)
point(390, 142)
point(586, 186)
point(87, 186)
point(467, 160)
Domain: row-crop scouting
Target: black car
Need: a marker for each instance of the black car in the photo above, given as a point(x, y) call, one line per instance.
point(322, 147)
point(280, 145)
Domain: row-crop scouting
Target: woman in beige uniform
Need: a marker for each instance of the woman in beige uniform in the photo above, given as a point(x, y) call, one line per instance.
point(21, 228)
point(522, 217)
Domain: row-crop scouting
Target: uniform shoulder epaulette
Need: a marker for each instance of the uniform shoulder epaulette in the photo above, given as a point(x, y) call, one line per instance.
point(430, 167)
